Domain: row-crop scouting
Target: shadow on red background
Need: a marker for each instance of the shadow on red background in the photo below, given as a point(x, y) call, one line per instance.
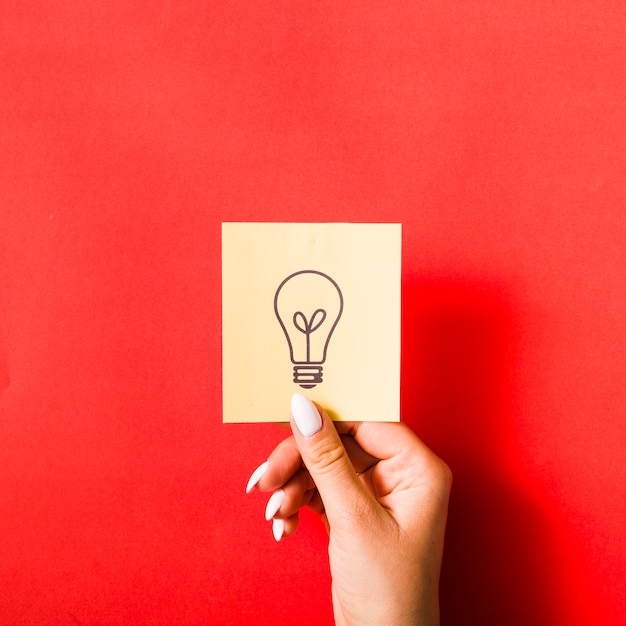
point(458, 392)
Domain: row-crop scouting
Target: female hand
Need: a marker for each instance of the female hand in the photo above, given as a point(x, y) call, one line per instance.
point(383, 496)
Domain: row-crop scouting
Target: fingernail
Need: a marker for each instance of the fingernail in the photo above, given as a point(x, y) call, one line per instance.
point(305, 414)
point(273, 504)
point(278, 528)
point(256, 477)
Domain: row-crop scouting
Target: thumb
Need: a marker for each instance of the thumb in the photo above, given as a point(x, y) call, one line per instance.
point(327, 461)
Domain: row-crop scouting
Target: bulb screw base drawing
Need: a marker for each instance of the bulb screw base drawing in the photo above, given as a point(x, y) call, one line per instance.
point(307, 376)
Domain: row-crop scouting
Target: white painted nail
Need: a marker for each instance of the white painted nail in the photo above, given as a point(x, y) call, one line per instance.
point(278, 528)
point(273, 504)
point(305, 414)
point(256, 477)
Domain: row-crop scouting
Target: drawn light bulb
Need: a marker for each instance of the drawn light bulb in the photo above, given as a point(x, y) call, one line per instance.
point(308, 305)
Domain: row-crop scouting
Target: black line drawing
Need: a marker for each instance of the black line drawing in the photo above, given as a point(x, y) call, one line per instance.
point(306, 349)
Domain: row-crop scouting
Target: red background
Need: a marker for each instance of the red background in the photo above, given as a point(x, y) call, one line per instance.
point(495, 131)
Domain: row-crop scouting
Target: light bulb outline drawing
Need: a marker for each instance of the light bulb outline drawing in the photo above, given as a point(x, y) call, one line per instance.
point(308, 359)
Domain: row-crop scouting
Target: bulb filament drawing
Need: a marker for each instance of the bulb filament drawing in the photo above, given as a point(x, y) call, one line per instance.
point(308, 333)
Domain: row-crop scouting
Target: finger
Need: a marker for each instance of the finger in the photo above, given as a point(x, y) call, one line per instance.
point(287, 500)
point(408, 470)
point(282, 528)
point(286, 461)
point(315, 502)
point(384, 440)
point(360, 459)
point(344, 497)
point(283, 462)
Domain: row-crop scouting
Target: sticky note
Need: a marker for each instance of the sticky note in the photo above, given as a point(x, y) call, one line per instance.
point(311, 308)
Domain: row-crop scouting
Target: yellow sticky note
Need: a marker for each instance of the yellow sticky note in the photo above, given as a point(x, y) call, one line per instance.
point(312, 309)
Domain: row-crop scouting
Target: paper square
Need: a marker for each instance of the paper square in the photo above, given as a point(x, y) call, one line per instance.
point(312, 309)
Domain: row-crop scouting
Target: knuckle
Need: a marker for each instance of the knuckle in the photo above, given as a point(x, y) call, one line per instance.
point(438, 474)
point(443, 472)
point(325, 455)
point(448, 476)
point(442, 480)
point(438, 469)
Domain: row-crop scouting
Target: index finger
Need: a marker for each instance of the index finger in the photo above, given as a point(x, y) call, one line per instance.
point(385, 440)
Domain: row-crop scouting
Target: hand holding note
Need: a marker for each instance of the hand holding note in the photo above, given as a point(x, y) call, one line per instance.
point(383, 496)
